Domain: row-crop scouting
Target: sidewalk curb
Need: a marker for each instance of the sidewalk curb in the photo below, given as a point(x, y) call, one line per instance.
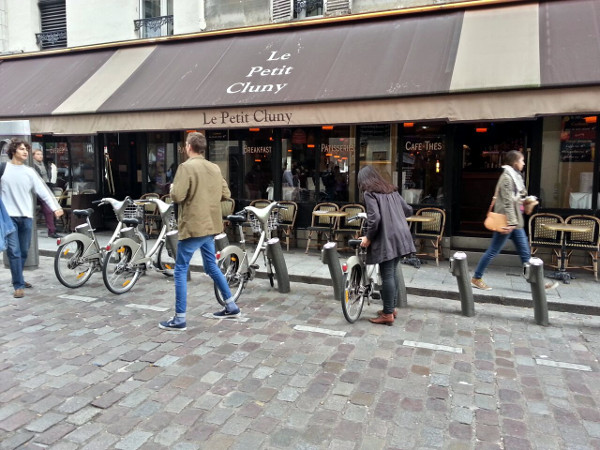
point(431, 292)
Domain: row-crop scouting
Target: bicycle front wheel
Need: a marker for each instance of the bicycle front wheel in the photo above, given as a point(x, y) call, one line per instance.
point(118, 273)
point(164, 261)
point(229, 266)
point(353, 298)
point(70, 268)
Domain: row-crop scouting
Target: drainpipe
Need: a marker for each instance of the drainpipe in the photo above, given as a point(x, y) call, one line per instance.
point(202, 17)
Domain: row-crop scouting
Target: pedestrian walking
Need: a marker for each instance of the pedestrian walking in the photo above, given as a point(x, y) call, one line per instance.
point(198, 188)
point(387, 237)
point(45, 172)
point(509, 196)
point(17, 184)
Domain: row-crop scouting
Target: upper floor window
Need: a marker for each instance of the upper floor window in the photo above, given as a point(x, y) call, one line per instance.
point(53, 18)
point(156, 18)
point(282, 10)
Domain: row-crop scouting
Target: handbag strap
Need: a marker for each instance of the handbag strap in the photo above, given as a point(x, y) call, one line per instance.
point(493, 200)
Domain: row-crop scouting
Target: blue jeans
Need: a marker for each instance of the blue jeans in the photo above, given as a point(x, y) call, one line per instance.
point(517, 235)
point(390, 284)
point(17, 247)
point(185, 250)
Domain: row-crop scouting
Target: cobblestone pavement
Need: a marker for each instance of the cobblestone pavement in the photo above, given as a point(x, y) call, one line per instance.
point(88, 369)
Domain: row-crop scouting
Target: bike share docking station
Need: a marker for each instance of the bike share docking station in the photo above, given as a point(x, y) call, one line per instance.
point(533, 271)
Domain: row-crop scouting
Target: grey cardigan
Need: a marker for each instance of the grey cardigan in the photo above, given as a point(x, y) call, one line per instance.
point(508, 200)
point(387, 228)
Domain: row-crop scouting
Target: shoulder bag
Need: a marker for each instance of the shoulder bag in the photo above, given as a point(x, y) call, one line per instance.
point(495, 221)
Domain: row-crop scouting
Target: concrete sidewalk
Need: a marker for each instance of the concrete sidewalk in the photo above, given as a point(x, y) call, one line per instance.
point(509, 287)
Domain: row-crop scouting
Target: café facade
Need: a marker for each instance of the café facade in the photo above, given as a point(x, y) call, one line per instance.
point(431, 99)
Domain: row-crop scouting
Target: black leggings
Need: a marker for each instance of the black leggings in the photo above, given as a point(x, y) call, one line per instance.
point(390, 284)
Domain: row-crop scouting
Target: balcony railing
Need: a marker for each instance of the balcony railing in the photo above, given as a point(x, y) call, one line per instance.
point(52, 39)
point(154, 26)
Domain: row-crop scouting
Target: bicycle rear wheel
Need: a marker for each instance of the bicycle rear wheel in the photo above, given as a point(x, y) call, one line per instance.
point(70, 269)
point(165, 261)
point(118, 273)
point(229, 266)
point(353, 298)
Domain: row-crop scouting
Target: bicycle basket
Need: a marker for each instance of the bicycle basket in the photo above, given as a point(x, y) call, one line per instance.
point(135, 212)
point(272, 222)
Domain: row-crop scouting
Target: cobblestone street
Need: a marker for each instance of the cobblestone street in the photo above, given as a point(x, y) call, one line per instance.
point(88, 369)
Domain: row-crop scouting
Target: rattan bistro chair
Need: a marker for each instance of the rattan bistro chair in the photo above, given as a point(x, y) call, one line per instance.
point(541, 237)
point(348, 229)
point(321, 224)
point(588, 241)
point(432, 231)
point(287, 221)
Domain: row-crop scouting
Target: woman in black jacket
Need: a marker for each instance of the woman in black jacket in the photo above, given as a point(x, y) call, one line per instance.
point(388, 236)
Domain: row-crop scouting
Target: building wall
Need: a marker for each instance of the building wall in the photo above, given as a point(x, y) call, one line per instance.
point(101, 21)
point(20, 22)
point(98, 21)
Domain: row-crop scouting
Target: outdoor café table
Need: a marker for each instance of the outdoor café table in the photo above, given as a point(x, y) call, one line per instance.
point(561, 273)
point(412, 259)
point(332, 215)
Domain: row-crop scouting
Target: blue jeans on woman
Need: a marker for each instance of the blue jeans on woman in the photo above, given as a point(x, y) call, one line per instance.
point(17, 247)
point(390, 284)
point(185, 250)
point(517, 235)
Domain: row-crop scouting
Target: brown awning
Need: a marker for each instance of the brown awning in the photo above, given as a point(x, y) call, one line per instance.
point(424, 60)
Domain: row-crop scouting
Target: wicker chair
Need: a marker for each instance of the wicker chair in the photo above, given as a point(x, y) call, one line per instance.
point(541, 237)
point(348, 229)
point(588, 241)
point(287, 221)
point(431, 231)
point(321, 224)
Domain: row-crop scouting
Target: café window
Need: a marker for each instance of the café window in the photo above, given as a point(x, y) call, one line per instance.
point(568, 162)
point(376, 149)
point(257, 149)
point(84, 164)
point(161, 163)
point(299, 180)
point(337, 164)
point(423, 149)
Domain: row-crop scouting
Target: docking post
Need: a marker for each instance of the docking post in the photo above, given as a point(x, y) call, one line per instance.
point(534, 274)
point(460, 269)
point(221, 241)
point(329, 256)
point(402, 300)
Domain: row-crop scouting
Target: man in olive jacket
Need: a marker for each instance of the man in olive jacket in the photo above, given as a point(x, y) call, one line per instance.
point(198, 188)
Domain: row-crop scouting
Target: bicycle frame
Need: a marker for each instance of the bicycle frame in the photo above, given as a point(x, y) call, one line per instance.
point(85, 232)
point(133, 238)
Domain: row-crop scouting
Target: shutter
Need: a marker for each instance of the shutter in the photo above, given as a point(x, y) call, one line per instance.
point(53, 15)
point(281, 10)
point(337, 7)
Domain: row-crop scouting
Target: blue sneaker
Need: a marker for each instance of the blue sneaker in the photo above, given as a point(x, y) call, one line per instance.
point(173, 324)
point(227, 314)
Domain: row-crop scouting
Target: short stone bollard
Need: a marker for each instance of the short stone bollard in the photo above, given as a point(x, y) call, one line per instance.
point(460, 269)
point(534, 274)
point(329, 256)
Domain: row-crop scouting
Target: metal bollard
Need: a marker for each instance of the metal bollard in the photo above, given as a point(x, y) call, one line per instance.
point(534, 274)
point(402, 300)
point(459, 268)
point(330, 257)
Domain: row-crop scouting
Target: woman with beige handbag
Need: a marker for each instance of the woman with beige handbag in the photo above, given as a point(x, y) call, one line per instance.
point(508, 200)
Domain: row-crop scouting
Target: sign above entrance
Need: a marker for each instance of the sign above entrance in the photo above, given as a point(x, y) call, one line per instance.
point(258, 116)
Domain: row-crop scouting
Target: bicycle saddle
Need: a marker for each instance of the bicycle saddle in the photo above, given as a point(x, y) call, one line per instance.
point(131, 221)
point(354, 242)
point(236, 218)
point(83, 212)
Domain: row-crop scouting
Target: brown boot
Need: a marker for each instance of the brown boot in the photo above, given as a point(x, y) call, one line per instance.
point(384, 319)
point(380, 312)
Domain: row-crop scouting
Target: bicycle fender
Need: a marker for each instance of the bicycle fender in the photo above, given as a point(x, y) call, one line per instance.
point(236, 251)
point(89, 249)
point(353, 261)
point(135, 248)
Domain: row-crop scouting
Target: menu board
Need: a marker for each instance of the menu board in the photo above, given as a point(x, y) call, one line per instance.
point(577, 138)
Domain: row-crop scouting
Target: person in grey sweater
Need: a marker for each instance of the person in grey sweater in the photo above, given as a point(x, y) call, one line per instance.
point(17, 184)
point(388, 237)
